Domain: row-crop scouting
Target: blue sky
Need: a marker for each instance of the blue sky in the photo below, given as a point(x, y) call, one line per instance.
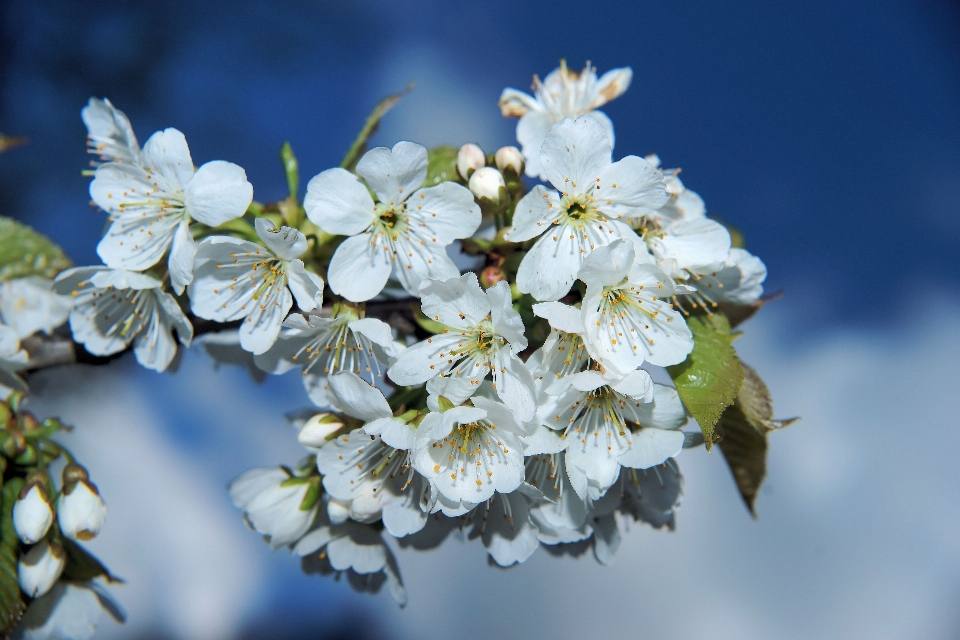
point(828, 132)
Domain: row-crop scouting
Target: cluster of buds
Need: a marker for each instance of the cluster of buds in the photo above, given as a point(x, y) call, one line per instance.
point(494, 180)
point(49, 522)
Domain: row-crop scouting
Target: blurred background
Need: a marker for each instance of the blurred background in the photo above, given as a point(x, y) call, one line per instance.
point(828, 132)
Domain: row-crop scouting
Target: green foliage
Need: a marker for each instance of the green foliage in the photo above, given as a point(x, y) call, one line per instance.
point(441, 166)
point(291, 168)
point(709, 379)
point(743, 430)
point(11, 601)
point(24, 252)
point(359, 145)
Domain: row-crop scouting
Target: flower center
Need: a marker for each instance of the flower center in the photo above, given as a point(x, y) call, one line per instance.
point(579, 210)
point(391, 220)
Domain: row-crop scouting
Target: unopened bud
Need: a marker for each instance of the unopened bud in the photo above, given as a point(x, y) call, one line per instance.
point(509, 159)
point(316, 431)
point(491, 276)
point(469, 159)
point(40, 568)
point(32, 515)
point(486, 183)
point(81, 511)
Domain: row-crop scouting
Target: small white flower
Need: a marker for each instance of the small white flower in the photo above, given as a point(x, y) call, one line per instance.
point(406, 232)
point(273, 503)
point(626, 314)
point(683, 204)
point(562, 94)
point(486, 182)
point(70, 610)
point(81, 511)
point(113, 307)
point(322, 346)
point(12, 359)
point(485, 336)
point(504, 525)
point(738, 281)
point(237, 279)
point(109, 134)
point(151, 206)
point(562, 516)
point(32, 515)
point(509, 159)
point(470, 452)
point(40, 567)
point(28, 305)
point(594, 195)
point(470, 157)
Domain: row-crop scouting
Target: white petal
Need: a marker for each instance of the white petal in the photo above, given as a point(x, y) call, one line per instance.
point(456, 390)
point(650, 447)
point(262, 326)
point(110, 134)
point(421, 361)
point(692, 243)
point(393, 432)
point(543, 440)
point(182, 253)
point(560, 316)
point(214, 294)
point(531, 131)
point(123, 279)
point(515, 385)
point(28, 305)
point(455, 302)
point(285, 243)
point(416, 263)
point(611, 85)
point(448, 211)
point(307, 287)
point(218, 192)
point(357, 398)
point(534, 214)
point(394, 174)
point(608, 265)
point(574, 154)
point(378, 332)
point(359, 269)
point(506, 321)
point(508, 534)
point(154, 347)
point(338, 203)
point(167, 153)
point(666, 411)
point(629, 187)
point(637, 385)
point(514, 103)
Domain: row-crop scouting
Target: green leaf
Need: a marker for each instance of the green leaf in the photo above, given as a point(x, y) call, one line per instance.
point(24, 252)
point(441, 166)
point(359, 145)
point(83, 565)
point(291, 168)
point(11, 601)
point(709, 379)
point(743, 430)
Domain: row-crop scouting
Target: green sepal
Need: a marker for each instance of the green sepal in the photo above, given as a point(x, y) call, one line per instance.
point(709, 380)
point(83, 565)
point(442, 166)
point(24, 252)
point(444, 403)
point(312, 495)
point(742, 431)
point(359, 146)
point(11, 600)
point(291, 168)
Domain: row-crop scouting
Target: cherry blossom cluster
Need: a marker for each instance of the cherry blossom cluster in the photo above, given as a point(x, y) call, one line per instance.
point(486, 354)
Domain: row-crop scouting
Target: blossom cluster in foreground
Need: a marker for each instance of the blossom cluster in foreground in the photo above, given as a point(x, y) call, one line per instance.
point(489, 358)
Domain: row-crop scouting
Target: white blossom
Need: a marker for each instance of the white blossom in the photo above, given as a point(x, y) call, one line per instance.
point(151, 206)
point(275, 504)
point(236, 279)
point(739, 280)
point(69, 611)
point(32, 515)
point(485, 335)
point(627, 318)
point(504, 525)
point(595, 195)
point(564, 93)
point(109, 134)
point(40, 567)
point(322, 346)
point(28, 305)
point(470, 452)
point(81, 511)
point(405, 232)
point(470, 157)
point(114, 307)
point(683, 204)
point(486, 183)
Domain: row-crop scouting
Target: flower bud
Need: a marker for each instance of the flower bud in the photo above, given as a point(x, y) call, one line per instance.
point(317, 431)
point(40, 567)
point(32, 515)
point(469, 159)
point(509, 158)
point(81, 511)
point(486, 183)
point(491, 276)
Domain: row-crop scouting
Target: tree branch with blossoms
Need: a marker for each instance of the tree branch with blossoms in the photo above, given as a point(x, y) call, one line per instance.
point(514, 346)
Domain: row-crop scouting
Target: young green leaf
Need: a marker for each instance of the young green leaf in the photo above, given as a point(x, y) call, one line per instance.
point(359, 145)
point(24, 252)
point(709, 379)
point(11, 602)
point(441, 166)
point(291, 168)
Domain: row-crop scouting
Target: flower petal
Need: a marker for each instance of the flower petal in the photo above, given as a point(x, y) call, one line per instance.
point(506, 321)
point(650, 447)
point(394, 174)
point(307, 287)
point(338, 203)
point(218, 192)
point(262, 326)
point(560, 316)
point(357, 398)
point(359, 269)
point(574, 154)
point(167, 153)
point(455, 302)
point(534, 214)
point(629, 188)
point(183, 250)
point(285, 243)
point(447, 212)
